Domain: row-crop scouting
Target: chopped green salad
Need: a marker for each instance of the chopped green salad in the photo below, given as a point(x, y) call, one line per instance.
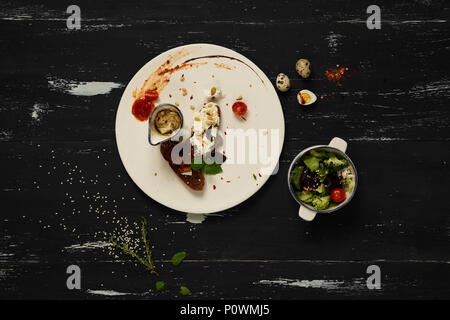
point(322, 179)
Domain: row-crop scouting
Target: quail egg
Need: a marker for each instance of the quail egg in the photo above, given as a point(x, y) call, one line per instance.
point(283, 83)
point(306, 97)
point(303, 67)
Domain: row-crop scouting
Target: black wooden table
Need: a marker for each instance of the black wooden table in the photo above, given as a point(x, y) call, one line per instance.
point(64, 189)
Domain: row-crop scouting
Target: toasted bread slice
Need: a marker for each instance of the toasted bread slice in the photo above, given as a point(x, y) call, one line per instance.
point(195, 180)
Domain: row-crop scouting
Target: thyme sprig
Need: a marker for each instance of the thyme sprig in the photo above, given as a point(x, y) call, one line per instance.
point(147, 262)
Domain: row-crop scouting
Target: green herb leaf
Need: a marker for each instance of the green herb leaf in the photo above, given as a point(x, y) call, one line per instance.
point(213, 168)
point(178, 257)
point(197, 164)
point(312, 163)
point(254, 176)
point(160, 285)
point(184, 290)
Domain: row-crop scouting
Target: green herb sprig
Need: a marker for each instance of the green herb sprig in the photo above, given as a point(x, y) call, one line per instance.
point(147, 262)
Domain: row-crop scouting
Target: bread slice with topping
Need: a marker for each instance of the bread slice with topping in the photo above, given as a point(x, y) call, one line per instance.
point(193, 179)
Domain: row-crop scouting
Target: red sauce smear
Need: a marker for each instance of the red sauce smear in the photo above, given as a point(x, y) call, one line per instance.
point(179, 67)
point(143, 107)
point(176, 68)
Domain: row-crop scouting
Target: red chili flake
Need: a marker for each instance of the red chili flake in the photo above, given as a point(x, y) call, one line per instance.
point(170, 96)
point(244, 119)
point(336, 74)
point(192, 97)
point(228, 181)
point(214, 187)
point(221, 178)
point(225, 133)
point(259, 174)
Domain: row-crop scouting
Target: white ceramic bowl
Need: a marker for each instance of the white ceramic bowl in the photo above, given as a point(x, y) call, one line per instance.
point(336, 145)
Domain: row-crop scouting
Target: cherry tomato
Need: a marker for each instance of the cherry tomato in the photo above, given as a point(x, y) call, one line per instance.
point(239, 108)
point(337, 195)
point(152, 95)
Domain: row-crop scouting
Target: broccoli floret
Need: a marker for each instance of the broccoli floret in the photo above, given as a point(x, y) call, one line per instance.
point(320, 203)
point(296, 174)
point(312, 163)
point(305, 196)
point(322, 172)
point(321, 154)
point(320, 189)
point(348, 184)
point(334, 162)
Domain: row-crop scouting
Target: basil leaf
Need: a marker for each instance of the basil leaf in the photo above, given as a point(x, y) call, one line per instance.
point(160, 285)
point(178, 257)
point(197, 164)
point(184, 290)
point(214, 168)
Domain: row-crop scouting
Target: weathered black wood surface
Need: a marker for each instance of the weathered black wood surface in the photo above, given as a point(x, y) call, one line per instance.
point(64, 189)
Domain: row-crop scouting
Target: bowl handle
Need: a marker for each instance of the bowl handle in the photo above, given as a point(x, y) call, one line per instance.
point(338, 143)
point(306, 214)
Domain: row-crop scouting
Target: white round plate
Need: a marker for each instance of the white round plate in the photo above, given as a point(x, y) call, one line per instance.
point(238, 182)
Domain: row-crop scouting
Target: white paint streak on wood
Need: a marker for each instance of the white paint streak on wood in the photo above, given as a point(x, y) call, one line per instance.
point(438, 88)
point(88, 246)
point(110, 293)
point(93, 88)
point(334, 41)
point(356, 284)
point(37, 111)
point(6, 135)
point(380, 139)
point(422, 91)
point(364, 262)
point(113, 293)
point(5, 265)
point(395, 22)
point(376, 106)
point(86, 89)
